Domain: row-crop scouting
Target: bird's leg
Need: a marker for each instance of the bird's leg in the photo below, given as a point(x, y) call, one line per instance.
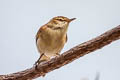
point(42, 58)
point(38, 61)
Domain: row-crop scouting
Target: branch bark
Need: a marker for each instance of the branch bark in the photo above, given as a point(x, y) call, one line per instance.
point(66, 57)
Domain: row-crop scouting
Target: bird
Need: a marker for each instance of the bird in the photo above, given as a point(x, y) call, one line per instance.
point(51, 38)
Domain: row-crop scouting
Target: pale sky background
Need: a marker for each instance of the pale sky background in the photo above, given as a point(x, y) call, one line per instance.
point(21, 19)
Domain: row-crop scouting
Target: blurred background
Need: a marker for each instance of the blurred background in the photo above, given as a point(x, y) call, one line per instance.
point(21, 19)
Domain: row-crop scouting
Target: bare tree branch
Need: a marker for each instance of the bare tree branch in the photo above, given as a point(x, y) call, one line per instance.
point(66, 57)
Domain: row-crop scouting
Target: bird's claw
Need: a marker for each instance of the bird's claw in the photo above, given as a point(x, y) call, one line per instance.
point(37, 63)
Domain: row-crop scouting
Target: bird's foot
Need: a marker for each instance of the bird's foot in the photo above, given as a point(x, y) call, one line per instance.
point(37, 63)
point(57, 54)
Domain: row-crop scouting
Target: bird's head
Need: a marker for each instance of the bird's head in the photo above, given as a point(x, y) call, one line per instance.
point(60, 22)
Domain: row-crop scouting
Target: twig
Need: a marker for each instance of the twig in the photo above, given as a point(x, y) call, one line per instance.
point(66, 57)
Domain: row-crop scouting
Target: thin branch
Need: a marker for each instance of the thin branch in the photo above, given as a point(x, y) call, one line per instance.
point(66, 57)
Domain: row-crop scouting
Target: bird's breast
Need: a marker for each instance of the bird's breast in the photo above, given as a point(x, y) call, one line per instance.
point(51, 42)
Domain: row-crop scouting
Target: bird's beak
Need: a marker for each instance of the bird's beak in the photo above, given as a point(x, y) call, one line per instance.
point(72, 19)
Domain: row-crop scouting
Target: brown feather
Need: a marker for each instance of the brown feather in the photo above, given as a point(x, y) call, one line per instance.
point(39, 32)
point(66, 38)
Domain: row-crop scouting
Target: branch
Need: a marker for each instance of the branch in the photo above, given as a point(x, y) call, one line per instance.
point(66, 57)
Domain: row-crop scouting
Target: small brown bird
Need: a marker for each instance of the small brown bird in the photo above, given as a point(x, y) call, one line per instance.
point(51, 38)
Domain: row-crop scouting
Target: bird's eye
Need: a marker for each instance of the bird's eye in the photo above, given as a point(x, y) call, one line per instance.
point(60, 19)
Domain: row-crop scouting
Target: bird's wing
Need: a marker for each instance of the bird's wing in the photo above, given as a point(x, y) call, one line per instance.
point(66, 38)
point(38, 35)
point(39, 32)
